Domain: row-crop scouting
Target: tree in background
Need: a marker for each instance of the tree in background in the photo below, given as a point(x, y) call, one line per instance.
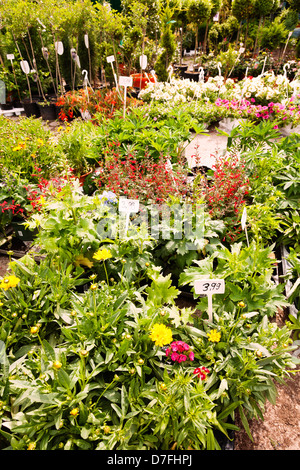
point(167, 43)
point(198, 12)
point(243, 10)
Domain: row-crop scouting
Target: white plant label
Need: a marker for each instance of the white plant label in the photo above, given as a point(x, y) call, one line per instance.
point(59, 47)
point(86, 40)
point(143, 61)
point(125, 81)
point(212, 286)
point(209, 287)
point(110, 59)
point(25, 66)
point(244, 218)
point(243, 223)
point(10, 56)
point(128, 206)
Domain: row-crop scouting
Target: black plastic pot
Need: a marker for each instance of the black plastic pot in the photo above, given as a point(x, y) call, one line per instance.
point(192, 76)
point(31, 108)
point(47, 111)
point(22, 233)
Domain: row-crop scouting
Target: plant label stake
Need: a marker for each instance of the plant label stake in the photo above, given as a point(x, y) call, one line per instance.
point(143, 61)
point(125, 82)
point(110, 59)
point(209, 287)
point(243, 223)
point(128, 206)
point(59, 47)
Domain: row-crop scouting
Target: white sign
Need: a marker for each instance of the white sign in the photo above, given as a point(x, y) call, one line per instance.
point(110, 58)
point(59, 47)
point(10, 56)
point(143, 61)
point(243, 223)
point(129, 205)
point(86, 41)
point(244, 218)
point(125, 81)
point(209, 286)
point(25, 66)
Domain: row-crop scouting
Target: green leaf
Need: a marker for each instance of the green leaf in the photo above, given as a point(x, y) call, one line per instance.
point(245, 422)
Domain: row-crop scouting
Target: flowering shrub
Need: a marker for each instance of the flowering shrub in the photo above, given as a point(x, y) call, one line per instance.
point(145, 180)
point(86, 100)
point(225, 191)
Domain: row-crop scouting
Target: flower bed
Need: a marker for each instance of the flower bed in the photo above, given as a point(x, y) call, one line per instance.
point(96, 352)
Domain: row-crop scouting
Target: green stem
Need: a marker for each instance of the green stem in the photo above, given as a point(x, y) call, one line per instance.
point(105, 272)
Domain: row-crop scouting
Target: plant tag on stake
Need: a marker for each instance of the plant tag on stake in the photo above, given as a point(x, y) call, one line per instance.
point(10, 57)
point(143, 61)
point(127, 207)
point(25, 66)
point(209, 287)
point(110, 60)
point(59, 47)
point(125, 82)
point(243, 223)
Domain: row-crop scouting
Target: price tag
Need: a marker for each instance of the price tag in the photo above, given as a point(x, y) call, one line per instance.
point(213, 286)
point(25, 66)
point(209, 287)
point(244, 218)
point(143, 61)
point(110, 59)
point(243, 223)
point(129, 205)
point(59, 47)
point(125, 81)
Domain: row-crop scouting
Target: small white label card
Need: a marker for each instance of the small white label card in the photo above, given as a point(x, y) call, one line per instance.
point(10, 56)
point(143, 61)
point(125, 81)
point(110, 59)
point(212, 286)
point(209, 287)
point(128, 206)
point(59, 47)
point(243, 223)
point(25, 66)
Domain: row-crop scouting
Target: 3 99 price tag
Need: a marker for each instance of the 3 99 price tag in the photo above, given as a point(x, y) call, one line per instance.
point(129, 205)
point(209, 286)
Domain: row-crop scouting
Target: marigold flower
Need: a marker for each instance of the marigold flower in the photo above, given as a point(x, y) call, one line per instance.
point(9, 281)
point(214, 336)
point(74, 412)
point(102, 254)
point(34, 329)
point(161, 334)
point(57, 365)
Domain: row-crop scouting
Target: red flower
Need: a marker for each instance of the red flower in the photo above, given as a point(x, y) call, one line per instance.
point(201, 372)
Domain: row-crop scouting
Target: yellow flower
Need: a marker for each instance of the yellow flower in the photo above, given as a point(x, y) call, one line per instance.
point(161, 334)
point(241, 304)
point(57, 365)
point(102, 254)
point(19, 147)
point(31, 446)
point(34, 329)
point(74, 412)
point(214, 336)
point(9, 281)
point(93, 286)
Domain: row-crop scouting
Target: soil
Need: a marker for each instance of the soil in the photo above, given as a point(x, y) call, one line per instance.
point(280, 428)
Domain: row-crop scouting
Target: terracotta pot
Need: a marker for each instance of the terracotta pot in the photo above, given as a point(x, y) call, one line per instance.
point(141, 80)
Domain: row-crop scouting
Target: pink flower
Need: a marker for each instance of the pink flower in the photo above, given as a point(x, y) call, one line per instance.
point(191, 356)
point(182, 358)
point(174, 356)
